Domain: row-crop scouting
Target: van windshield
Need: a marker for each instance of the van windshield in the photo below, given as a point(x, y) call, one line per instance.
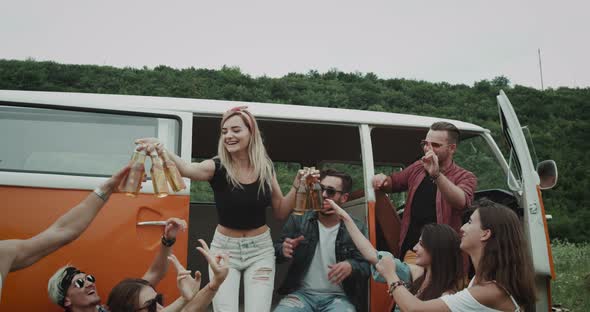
point(475, 155)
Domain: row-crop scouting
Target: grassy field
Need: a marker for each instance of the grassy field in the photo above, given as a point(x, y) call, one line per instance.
point(571, 289)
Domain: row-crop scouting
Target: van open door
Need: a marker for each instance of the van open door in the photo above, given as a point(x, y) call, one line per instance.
point(60, 147)
point(524, 181)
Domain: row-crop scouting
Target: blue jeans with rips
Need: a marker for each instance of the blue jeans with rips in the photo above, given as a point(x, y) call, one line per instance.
point(305, 301)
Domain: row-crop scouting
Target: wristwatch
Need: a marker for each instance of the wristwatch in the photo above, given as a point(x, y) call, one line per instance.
point(168, 242)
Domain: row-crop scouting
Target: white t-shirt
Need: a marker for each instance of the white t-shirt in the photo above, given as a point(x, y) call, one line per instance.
point(463, 301)
point(316, 279)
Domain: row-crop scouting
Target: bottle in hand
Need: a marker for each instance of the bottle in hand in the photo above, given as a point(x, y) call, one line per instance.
point(132, 183)
point(158, 176)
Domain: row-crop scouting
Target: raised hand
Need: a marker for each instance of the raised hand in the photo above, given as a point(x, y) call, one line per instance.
point(339, 272)
point(386, 266)
point(430, 162)
point(219, 264)
point(112, 185)
point(290, 244)
point(173, 225)
point(339, 211)
point(306, 173)
point(380, 181)
point(149, 144)
point(187, 286)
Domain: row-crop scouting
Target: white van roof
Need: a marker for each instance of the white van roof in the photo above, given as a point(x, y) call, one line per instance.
point(218, 107)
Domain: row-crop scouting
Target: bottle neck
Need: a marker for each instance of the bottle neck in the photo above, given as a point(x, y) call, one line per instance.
point(138, 157)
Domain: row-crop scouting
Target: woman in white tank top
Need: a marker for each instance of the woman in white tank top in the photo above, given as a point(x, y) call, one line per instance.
point(504, 279)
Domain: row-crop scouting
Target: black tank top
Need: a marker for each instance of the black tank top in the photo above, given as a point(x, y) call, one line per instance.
point(241, 209)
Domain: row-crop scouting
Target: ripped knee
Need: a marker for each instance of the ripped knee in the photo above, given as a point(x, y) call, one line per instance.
point(262, 274)
point(292, 301)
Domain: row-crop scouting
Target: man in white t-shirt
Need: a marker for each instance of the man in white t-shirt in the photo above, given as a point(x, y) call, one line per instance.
point(327, 272)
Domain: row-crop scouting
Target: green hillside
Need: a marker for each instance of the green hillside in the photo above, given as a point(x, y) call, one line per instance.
point(557, 118)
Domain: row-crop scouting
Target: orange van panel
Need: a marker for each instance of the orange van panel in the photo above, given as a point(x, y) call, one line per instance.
point(112, 248)
point(379, 300)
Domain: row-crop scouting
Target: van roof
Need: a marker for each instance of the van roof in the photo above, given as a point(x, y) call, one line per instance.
point(218, 107)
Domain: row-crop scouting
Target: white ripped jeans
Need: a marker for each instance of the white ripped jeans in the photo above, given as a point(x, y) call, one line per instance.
point(255, 257)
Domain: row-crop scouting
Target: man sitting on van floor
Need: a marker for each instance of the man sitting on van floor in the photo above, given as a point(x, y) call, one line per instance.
point(17, 254)
point(327, 272)
point(76, 291)
point(438, 189)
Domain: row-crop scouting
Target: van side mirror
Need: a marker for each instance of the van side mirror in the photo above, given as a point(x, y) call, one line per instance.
point(547, 170)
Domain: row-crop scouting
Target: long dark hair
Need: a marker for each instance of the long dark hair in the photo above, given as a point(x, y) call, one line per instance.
point(442, 243)
point(124, 297)
point(506, 258)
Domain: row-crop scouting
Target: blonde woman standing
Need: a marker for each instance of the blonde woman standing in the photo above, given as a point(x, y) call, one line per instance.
point(244, 185)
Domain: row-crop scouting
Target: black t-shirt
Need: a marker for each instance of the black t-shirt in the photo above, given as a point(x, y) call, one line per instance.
point(423, 212)
point(238, 208)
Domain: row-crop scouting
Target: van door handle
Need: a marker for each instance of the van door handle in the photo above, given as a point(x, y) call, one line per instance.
point(161, 223)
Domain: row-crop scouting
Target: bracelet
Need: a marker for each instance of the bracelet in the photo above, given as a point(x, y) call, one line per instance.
point(394, 285)
point(434, 177)
point(101, 194)
point(168, 242)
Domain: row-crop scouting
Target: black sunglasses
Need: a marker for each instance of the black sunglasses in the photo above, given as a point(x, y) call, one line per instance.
point(433, 144)
point(329, 190)
point(79, 283)
point(152, 304)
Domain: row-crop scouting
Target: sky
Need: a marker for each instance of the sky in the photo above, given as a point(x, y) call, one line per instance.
point(456, 41)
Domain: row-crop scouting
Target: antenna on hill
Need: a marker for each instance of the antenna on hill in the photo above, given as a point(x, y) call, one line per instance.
point(541, 70)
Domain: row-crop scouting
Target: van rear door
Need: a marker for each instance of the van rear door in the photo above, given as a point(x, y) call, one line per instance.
point(525, 182)
point(53, 153)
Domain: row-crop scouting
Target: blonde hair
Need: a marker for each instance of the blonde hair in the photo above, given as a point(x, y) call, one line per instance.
point(56, 293)
point(257, 155)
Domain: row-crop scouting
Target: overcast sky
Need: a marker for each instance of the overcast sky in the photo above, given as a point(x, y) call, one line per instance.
point(458, 41)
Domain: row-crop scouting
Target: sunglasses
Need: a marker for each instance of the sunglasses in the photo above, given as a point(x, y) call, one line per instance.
point(433, 144)
point(152, 304)
point(330, 191)
point(79, 283)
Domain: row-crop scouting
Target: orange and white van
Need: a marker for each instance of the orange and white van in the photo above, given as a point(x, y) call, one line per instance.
point(56, 147)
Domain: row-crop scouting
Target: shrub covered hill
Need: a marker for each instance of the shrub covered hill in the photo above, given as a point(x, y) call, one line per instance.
point(558, 119)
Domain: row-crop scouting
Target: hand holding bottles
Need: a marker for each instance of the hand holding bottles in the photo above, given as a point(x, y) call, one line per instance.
point(309, 191)
point(163, 169)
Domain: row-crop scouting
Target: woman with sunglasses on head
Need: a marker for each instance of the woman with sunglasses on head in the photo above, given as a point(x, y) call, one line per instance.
point(504, 279)
point(438, 269)
point(244, 185)
point(132, 294)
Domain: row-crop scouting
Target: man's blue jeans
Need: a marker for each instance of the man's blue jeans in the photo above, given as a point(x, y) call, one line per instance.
point(303, 301)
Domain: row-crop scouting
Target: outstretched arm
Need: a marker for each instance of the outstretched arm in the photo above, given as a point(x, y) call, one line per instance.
point(402, 296)
point(283, 205)
point(66, 229)
point(219, 267)
point(202, 171)
point(159, 266)
point(360, 241)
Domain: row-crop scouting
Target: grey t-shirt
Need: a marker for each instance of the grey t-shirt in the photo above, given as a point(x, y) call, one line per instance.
point(316, 280)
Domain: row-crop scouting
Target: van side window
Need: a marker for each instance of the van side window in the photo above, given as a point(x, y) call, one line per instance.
point(71, 142)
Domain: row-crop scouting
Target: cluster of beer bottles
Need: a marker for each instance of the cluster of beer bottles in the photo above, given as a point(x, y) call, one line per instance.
point(309, 193)
point(163, 170)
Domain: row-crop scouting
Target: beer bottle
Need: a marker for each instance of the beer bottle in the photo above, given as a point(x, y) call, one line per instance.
point(172, 174)
point(158, 176)
point(132, 183)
